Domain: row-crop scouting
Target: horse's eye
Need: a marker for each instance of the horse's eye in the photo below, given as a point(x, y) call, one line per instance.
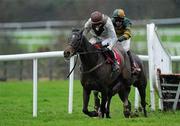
point(76, 37)
point(73, 36)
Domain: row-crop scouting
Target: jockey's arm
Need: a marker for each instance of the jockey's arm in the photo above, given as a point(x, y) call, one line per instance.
point(87, 27)
point(126, 35)
point(112, 38)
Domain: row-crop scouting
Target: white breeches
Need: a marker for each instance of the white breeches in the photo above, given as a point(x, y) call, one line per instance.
point(104, 42)
point(126, 44)
point(93, 40)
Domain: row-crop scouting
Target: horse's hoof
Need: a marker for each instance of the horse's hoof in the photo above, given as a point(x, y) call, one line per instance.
point(85, 112)
point(145, 115)
point(100, 115)
point(93, 114)
point(133, 115)
point(127, 114)
point(108, 116)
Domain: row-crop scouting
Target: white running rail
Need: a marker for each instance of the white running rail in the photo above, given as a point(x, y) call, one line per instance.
point(35, 57)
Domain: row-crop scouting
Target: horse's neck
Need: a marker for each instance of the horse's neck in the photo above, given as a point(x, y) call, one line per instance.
point(89, 60)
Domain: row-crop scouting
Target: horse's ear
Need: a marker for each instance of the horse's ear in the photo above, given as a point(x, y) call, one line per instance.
point(75, 30)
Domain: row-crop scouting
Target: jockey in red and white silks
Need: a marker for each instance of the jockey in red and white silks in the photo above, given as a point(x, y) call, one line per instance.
point(101, 28)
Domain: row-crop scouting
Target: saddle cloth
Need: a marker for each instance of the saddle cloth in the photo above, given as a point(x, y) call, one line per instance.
point(117, 56)
point(108, 57)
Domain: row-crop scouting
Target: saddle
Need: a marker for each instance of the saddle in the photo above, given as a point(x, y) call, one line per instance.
point(120, 56)
point(108, 54)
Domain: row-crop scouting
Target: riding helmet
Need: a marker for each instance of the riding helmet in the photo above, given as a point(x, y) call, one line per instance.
point(96, 17)
point(118, 13)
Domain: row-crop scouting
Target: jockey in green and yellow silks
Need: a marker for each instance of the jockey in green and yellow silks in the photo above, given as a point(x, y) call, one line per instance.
point(122, 26)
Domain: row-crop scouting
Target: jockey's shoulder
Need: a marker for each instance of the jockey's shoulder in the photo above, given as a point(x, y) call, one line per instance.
point(127, 22)
point(113, 20)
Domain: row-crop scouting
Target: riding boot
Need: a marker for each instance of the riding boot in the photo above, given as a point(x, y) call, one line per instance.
point(115, 64)
point(135, 68)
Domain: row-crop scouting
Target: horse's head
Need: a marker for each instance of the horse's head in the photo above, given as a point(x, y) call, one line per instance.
point(75, 42)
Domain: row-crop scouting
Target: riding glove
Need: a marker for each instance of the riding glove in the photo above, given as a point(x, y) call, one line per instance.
point(122, 38)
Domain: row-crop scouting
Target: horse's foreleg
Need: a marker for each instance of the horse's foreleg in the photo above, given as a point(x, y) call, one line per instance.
point(116, 88)
point(96, 101)
point(108, 106)
point(123, 94)
point(102, 110)
point(127, 104)
point(142, 92)
point(86, 96)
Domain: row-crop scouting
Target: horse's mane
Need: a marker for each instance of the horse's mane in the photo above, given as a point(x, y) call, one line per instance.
point(75, 30)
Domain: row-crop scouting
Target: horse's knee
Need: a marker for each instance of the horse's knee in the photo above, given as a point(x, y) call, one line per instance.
point(143, 103)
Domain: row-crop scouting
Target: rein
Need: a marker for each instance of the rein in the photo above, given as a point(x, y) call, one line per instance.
point(83, 53)
point(94, 68)
point(73, 67)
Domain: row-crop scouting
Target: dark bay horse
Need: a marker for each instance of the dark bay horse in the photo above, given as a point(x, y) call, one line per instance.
point(96, 74)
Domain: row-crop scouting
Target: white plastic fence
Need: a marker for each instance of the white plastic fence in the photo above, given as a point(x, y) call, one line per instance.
point(158, 58)
point(35, 57)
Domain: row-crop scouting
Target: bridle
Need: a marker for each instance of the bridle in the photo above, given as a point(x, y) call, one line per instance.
point(77, 48)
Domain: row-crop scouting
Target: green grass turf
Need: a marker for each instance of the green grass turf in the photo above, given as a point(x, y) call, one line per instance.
point(164, 38)
point(16, 107)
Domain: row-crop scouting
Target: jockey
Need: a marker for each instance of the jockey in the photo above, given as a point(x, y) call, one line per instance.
point(122, 27)
point(102, 30)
